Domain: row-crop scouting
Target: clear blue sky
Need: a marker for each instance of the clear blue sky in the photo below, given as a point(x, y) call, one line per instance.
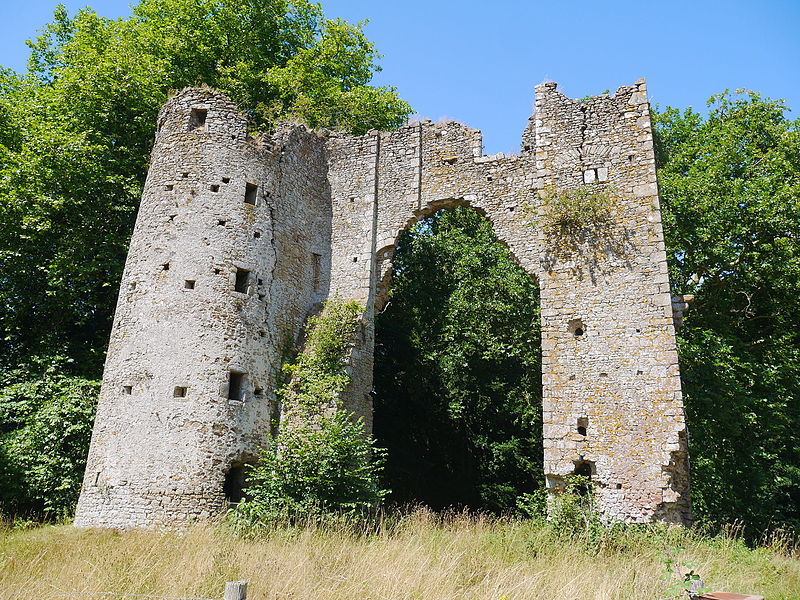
point(477, 60)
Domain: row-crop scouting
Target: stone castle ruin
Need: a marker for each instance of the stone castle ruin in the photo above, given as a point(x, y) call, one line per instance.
point(238, 239)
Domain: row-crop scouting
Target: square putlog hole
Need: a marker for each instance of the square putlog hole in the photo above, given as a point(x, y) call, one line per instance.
point(180, 391)
point(188, 284)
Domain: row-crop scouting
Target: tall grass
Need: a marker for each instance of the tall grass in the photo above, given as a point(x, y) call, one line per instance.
point(418, 555)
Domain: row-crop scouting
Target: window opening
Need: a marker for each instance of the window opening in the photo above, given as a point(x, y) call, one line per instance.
point(583, 423)
point(235, 384)
point(234, 484)
point(242, 276)
point(317, 270)
point(127, 390)
point(197, 120)
point(180, 392)
point(215, 188)
point(584, 469)
point(188, 284)
point(250, 191)
point(577, 328)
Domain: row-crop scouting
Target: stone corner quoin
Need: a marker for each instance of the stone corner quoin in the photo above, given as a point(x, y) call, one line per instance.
point(238, 239)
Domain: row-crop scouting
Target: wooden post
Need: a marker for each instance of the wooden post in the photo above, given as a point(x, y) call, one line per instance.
point(236, 590)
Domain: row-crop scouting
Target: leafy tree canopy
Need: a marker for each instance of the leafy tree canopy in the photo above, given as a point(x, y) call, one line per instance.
point(730, 187)
point(458, 369)
point(76, 131)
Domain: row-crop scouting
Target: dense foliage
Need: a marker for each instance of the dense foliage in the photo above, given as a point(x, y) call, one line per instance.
point(45, 427)
point(458, 368)
point(75, 135)
point(321, 463)
point(730, 186)
point(318, 376)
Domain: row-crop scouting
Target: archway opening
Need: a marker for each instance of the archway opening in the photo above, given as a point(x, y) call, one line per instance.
point(457, 386)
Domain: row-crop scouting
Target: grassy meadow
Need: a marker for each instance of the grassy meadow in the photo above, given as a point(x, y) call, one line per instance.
point(417, 556)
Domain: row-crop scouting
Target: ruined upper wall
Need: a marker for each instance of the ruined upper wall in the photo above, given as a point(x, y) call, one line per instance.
point(238, 239)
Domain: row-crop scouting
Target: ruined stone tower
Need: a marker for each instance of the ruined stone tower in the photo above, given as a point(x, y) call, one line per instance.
point(239, 238)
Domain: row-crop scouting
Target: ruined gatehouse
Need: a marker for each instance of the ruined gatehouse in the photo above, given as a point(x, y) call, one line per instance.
point(238, 238)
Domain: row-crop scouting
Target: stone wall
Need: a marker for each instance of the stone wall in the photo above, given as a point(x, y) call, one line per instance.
point(323, 222)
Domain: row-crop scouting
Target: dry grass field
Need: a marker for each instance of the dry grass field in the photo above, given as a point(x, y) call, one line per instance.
point(417, 556)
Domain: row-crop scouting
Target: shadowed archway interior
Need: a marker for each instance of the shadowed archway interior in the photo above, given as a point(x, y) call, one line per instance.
point(457, 387)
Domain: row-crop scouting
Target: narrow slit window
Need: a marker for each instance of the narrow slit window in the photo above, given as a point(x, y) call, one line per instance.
point(250, 191)
point(235, 385)
point(234, 484)
point(584, 469)
point(242, 277)
point(583, 423)
point(317, 270)
point(198, 119)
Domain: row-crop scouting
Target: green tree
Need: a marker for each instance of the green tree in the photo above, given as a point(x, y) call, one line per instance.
point(45, 427)
point(75, 137)
point(458, 369)
point(730, 186)
point(78, 129)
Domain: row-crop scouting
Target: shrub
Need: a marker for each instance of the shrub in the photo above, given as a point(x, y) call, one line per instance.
point(315, 471)
point(574, 213)
point(321, 463)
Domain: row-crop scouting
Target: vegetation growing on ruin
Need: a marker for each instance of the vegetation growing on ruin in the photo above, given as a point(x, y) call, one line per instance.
point(321, 463)
point(575, 214)
point(318, 375)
